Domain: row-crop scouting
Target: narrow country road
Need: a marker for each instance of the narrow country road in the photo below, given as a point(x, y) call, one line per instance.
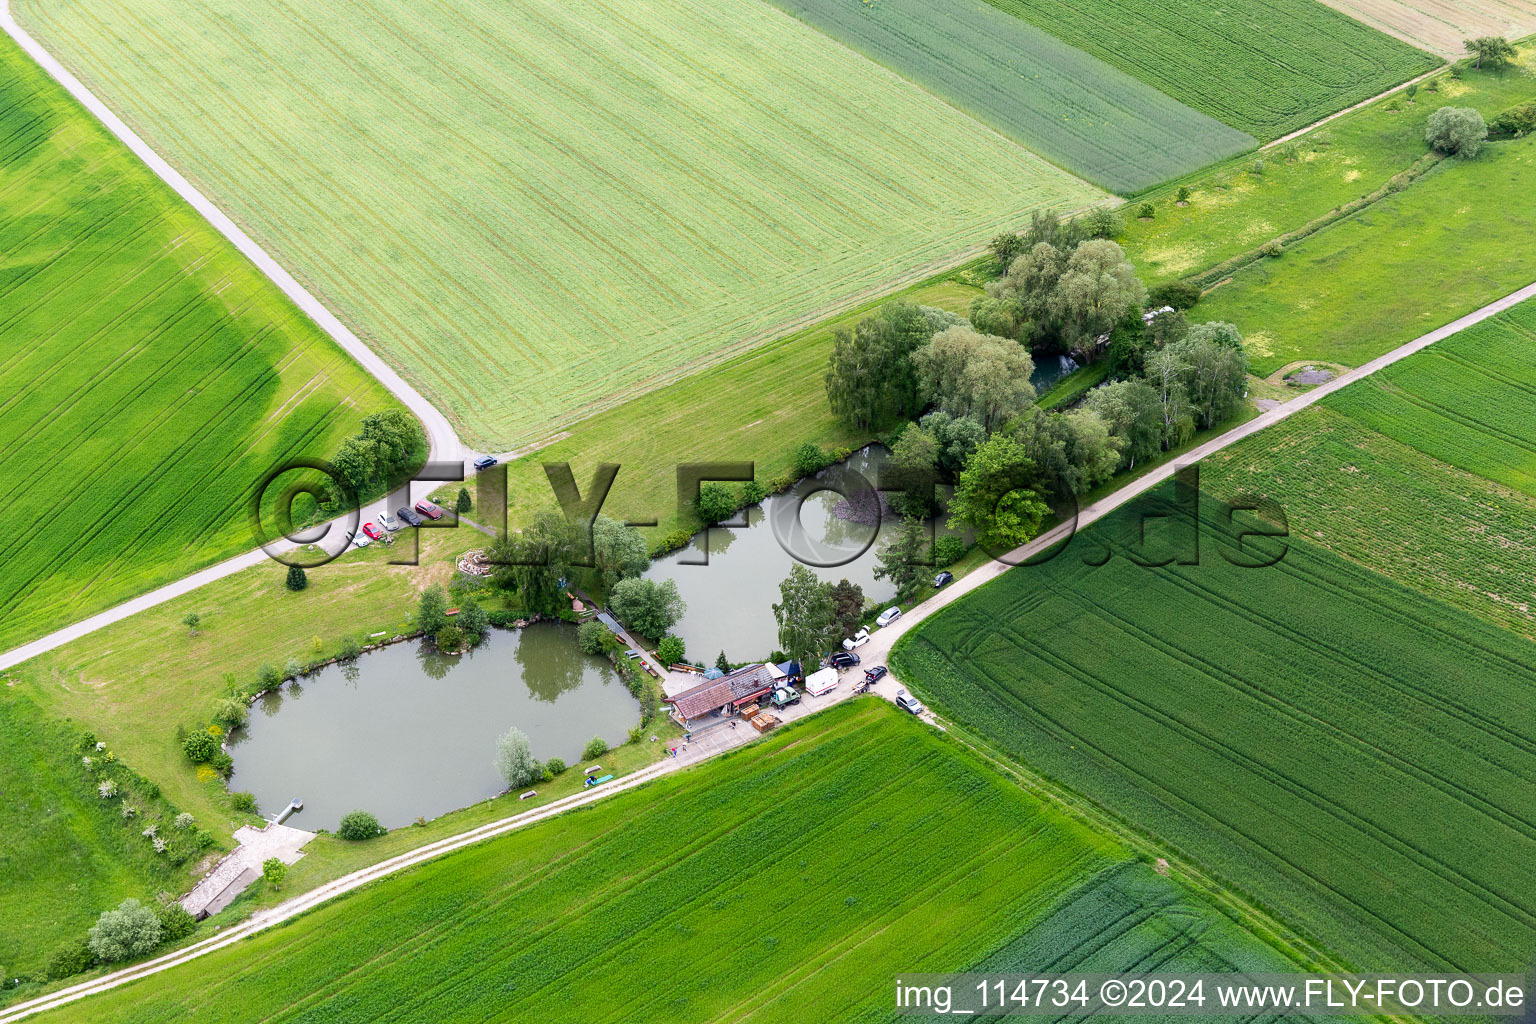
point(877, 650)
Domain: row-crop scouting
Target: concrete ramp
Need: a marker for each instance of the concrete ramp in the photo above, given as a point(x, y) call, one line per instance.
point(234, 874)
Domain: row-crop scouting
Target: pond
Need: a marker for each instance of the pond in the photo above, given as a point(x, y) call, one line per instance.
point(405, 732)
point(1051, 368)
point(730, 600)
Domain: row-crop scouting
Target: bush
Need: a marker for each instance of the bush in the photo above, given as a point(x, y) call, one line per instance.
point(591, 636)
point(449, 639)
point(292, 669)
point(200, 747)
point(243, 801)
point(268, 677)
point(1178, 294)
point(1184, 193)
point(554, 766)
point(716, 503)
point(231, 713)
point(1272, 248)
point(222, 763)
point(1103, 223)
point(349, 649)
point(70, 958)
point(636, 733)
point(1515, 121)
point(463, 504)
point(204, 839)
point(358, 825)
point(595, 748)
point(650, 705)
point(753, 492)
point(808, 458)
point(671, 650)
point(1257, 167)
point(947, 551)
point(514, 759)
point(184, 821)
point(130, 931)
point(296, 579)
point(1456, 130)
point(175, 922)
point(1146, 211)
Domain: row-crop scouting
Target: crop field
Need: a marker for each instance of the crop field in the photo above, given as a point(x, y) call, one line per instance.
point(1429, 526)
point(881, 845)
point(1064, 104)
point(1354, 756)
point(1265, 67)
point(1424, 472)
point(1459, 234)
point(1467, 401)
point(149, 376)
point(68, 854)
point(535, 208)
point(1442, 25)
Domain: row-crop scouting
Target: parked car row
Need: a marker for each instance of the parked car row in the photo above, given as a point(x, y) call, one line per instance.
point(388, 523)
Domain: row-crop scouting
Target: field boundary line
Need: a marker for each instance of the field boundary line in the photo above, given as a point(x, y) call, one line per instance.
point(1347, 110)
point(442, 439)
point(878, 648)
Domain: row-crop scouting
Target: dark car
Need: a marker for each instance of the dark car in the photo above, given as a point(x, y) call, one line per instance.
point(843, 659)
point(943, 578)
point(874, 675)
point(429, 510)
point(408, 517)
point(485, 462)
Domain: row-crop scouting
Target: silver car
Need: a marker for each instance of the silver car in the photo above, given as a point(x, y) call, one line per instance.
point(908, 703)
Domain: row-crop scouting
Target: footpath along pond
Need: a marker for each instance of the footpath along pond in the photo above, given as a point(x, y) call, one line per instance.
point(405, 732)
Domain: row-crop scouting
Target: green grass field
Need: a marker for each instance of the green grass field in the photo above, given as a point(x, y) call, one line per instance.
point(1232, 210)
point(1266, 67)
point(1424, 472)
point(536, 208)
point(1454, 240)
point(879, 845)
point(149, 377)
point(68, 853)
point(1064, 104)
point(1353, 756)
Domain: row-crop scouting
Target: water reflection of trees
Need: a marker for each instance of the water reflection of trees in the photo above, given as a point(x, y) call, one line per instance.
point(550, 662)
point(434, 663)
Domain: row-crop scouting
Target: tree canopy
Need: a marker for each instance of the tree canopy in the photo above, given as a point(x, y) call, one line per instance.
point(807, 617)
point(646, 606)
point(996, 497)
point(1459, 131)
point(870, 381)
point(966, 373)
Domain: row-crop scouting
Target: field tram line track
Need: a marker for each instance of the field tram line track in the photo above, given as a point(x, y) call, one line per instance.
point(1245, 687)
point(418, 347)
point(888, 789)
point(1320, 802)
point(443, 440)
point(1242, 840)
point(1254, 914)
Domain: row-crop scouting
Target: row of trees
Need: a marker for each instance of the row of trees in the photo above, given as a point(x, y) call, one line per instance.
point(387, 447)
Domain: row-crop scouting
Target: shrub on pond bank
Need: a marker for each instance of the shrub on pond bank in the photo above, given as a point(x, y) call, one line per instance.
point(358, 825)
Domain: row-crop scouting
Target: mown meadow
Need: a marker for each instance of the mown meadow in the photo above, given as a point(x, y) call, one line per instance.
point(1265, 67)
point(1070, 107)
point(1236, 207)
point(879, 845)
point(1353, 756)
point(149, 376)
point(535, 209)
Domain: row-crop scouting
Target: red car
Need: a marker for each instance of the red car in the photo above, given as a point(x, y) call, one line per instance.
point(373, 532)
point(428, 509)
